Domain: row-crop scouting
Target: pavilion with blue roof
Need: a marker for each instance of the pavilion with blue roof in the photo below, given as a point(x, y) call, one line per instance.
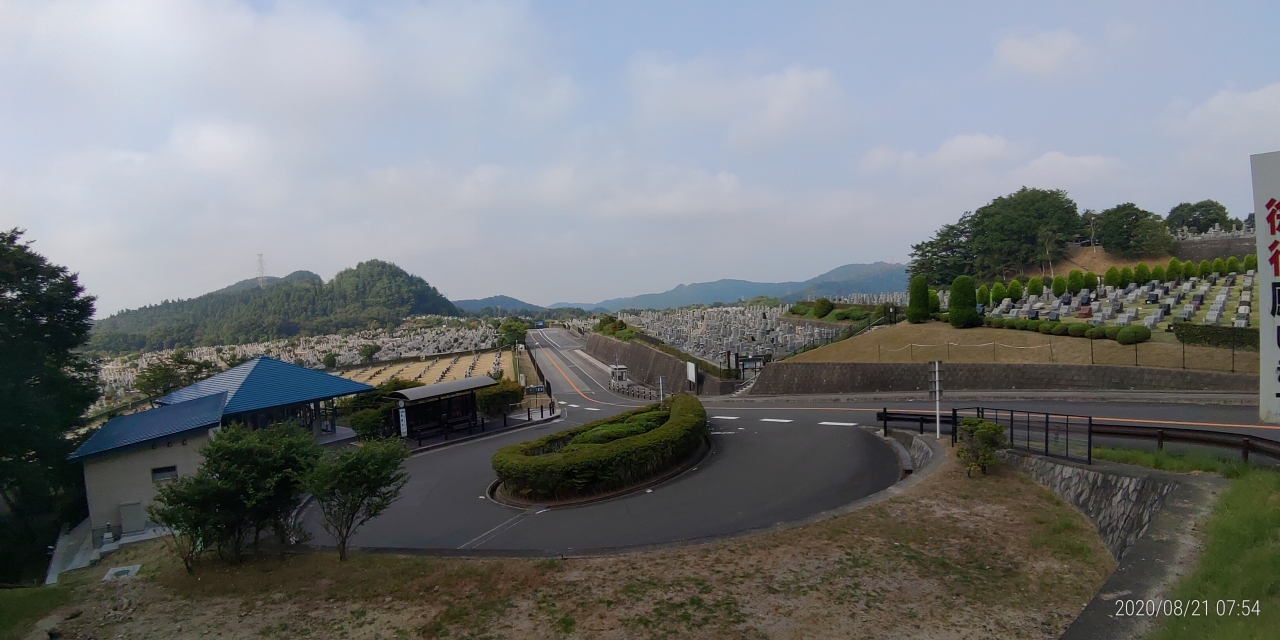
point(126, 458)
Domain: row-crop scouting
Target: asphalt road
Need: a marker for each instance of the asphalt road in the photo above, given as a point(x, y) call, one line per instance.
point(772, 461)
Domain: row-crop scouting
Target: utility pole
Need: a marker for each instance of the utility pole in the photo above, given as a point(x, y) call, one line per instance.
point(935, 394)
point(660, 391)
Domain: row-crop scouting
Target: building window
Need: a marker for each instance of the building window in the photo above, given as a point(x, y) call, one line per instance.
point(164, 474)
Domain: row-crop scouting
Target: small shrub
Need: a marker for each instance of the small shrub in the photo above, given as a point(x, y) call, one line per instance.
point(1233, 265)
point(1021, 324)
point(1015, 290)
point(1157, 273)
point(1205, 269)
point(822, 307)
point(1077, 329)
point(1010, 323)
point(935, 302)
point(1250, 262)
point(1174, 270)
point(998, 293)
point(979, 441)
point(1035, 287)
point(800, 309)
point(1190, 269)
point(1059, 286)
point(1141, 273)
point(1091, 281)
point(1111, 332)
point(1046, 327)
point(1095, 333)
point(496, 399)
point(1060, 328)
point(983, 296)
point(1034, 325)
point(1218, 266)
point(368, 423)
point(1075, 281)
point(1112, 277)
point(1126, 277)
point(942, 317)
point(1133, 334)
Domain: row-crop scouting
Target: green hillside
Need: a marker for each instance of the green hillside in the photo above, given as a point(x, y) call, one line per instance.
point(373, 294)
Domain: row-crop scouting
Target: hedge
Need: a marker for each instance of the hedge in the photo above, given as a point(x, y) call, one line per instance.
point(1010, 323)
point(1111, 332)
point(1077, 329)
point(1096, 333)
point(1133, 334)
point(496, 399)
point(1022, 324)
point(543, 469)
point(1034, 325)
point(1216, 336)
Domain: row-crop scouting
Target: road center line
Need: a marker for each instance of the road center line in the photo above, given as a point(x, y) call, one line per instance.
point(774, 420)
point(724, 417)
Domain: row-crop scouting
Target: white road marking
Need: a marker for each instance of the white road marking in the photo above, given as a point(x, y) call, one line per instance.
point(575, 406)
point(722, 433)
point(724, 417)
point(590, 409)
point(774, 420)
point(840, 424)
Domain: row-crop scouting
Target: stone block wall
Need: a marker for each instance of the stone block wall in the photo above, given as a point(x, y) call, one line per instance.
point(1209, 249)
point(1119, 504)
point(796, 378)
point(645, 364)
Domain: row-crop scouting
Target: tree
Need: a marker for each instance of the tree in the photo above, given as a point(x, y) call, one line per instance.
point(355, 485)
point(1233, 265)
point(1015, 290)
point(1112, 277)
point(1091, 281)
point(945, 256)
point(983, 296)
point(1141, 273)
point(330, 360)
point(46, 385)
point(962, 310)
point(1157, 273)
point(1251, 262)
point(1075, 281)
point(1174, 270)
point(998, 293)
point(1205, 268)
point(187, 508)
point(1199, 217)
point(1022, 228)
point(512, 331)
point(1190, 269)
point(822, 307)
point(1059, 286)
point(367, 351)
point(1130, 231)
point(1218, 266)
point(173, 372)
point(1035, 287)
point(918, 300)
point(1126, 277)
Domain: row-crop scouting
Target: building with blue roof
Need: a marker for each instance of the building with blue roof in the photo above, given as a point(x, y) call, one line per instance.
point(127, 458)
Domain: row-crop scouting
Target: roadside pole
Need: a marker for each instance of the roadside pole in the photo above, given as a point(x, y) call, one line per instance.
point(935, 394)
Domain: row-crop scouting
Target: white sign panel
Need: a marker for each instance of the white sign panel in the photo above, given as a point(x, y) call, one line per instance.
point(691, 371)
point(404, 424)
point(1266, 221)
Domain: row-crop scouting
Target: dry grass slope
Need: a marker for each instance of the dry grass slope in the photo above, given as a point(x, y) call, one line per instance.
point(952, 557)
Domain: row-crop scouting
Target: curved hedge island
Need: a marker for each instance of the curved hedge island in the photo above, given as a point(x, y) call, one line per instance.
point(605, 455)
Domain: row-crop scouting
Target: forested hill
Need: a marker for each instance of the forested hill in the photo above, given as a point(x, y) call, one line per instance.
point(373, 294)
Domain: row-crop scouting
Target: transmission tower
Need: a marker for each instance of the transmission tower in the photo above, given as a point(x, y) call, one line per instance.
point(262, 273)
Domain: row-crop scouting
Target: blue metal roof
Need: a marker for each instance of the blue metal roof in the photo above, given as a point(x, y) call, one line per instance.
point(152, 424)
point(263, 382)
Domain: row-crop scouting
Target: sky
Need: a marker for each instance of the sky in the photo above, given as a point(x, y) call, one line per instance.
point(578, 151)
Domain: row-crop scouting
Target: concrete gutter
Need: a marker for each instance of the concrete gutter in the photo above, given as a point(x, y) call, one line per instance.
point(1222, 398)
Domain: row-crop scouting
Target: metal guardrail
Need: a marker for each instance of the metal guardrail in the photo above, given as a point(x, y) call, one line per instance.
point(1071, 437)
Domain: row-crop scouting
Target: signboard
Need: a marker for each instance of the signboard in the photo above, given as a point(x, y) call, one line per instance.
point(535, 389)
point(691, 372)
point(1266, 223)
point(404, 424)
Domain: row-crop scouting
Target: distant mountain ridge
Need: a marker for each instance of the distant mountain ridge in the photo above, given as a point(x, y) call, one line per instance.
point(878, 277)
point(373, 294)
point(506, 303)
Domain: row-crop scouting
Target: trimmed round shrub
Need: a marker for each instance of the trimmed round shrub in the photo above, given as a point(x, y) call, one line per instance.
point(1077, 329)
point(1218, 267)
point(1174, 270)
point(1095, 333)
point(822, 307)
point(1060, 329)
point(1157, 273)
point(1110, 332)
point(963, 306)
point(1059, 286)
point(1250, 262)
point(983, 296)
point(1190, 269)
point(1015, 290)
point(1010, 323)
point(1233, 264)
point(1126, 277)
point(1021, 324)
point(1075, 281)
point(1112, 277)
point(1035, 287)
point(1141, 273)
point(1046, 327)
point(1091, 281)
point(1206, 268)
point(918, 302)
point(998, 293)
point(1034, 325)
point(1133, 334)
point(555, 467)
point(935, 302)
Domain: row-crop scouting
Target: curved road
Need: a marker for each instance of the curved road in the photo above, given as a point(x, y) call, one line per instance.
point(772, 461)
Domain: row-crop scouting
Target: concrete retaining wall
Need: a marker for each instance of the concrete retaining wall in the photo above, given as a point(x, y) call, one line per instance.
point(645, 364)
point(796, 378)
point(1209, 249)
point(1119, 504)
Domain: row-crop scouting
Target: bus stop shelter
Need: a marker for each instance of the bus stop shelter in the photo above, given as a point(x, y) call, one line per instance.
point(438, 409)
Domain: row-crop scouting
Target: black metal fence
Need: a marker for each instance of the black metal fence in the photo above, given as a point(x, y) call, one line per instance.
point(1071, 437)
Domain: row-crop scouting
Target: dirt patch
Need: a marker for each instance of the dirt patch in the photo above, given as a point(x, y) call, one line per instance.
point(952, 557)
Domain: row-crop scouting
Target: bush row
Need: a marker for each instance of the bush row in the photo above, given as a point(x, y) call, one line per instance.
point(1216, 336)
point(551, 468)
point(1131, 334)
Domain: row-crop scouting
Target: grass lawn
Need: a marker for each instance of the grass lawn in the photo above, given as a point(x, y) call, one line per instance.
point(988, 556)
point(1241, 556)
point(21, 608)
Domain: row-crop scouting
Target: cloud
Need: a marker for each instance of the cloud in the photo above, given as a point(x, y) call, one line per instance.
point(966, 152)
point(754, 110)
point(1042, 54)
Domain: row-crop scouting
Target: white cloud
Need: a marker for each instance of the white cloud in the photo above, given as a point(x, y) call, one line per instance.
point(753, 109)
point(1042, 54)
point(1057, 170)
point(963, 153)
